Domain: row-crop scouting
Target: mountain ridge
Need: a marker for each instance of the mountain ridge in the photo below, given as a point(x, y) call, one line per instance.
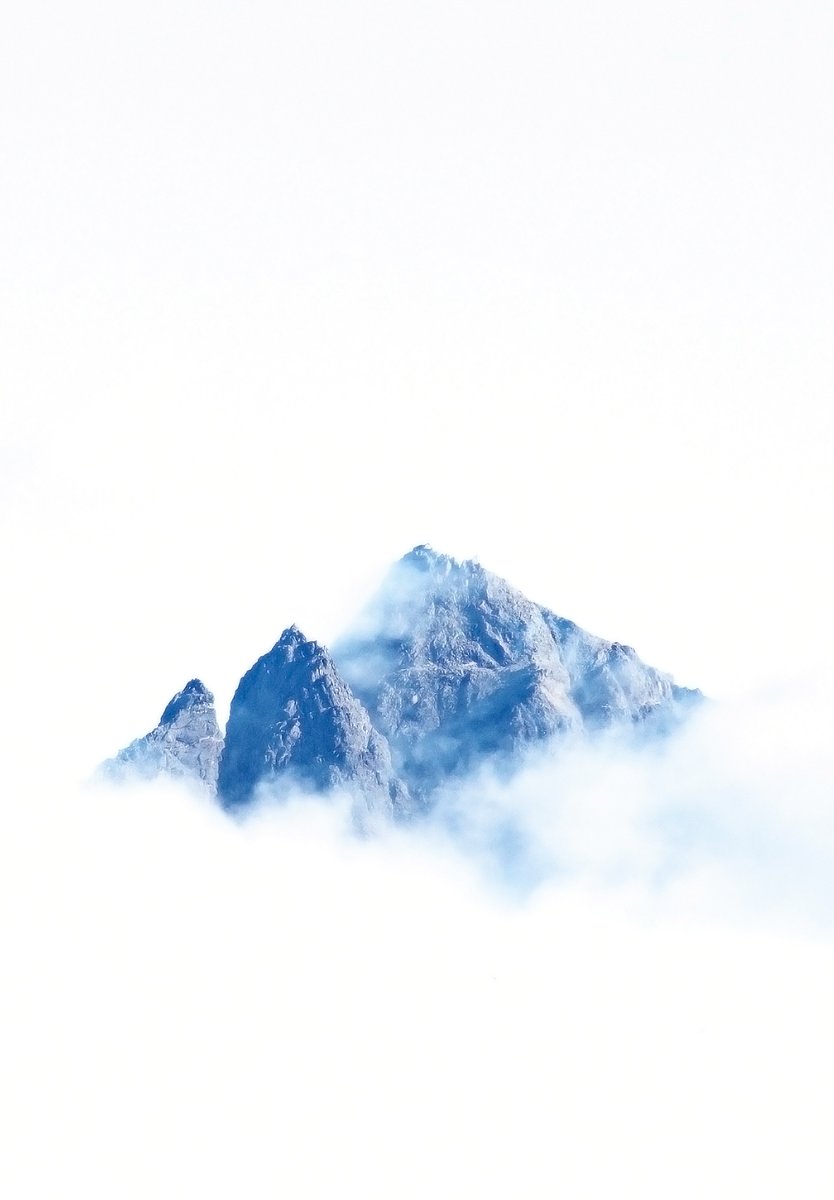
point(448, 667)
point(456, 665)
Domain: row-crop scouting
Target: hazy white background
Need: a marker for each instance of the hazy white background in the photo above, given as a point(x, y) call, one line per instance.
point(285, 289)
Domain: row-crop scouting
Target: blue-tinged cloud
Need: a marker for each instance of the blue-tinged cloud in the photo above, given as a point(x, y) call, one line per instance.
point(276, 1007)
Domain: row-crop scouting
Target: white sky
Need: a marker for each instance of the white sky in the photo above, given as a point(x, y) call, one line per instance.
point(285, 289)
point(289, 288)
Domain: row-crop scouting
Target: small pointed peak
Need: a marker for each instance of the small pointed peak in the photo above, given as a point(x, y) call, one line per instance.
point(196, 687)
point(194, 693)
point(423, 553)
point(291, 643)
point(425, 558)
point(290, 638)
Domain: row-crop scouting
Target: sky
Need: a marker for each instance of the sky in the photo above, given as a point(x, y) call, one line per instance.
point(290, 288)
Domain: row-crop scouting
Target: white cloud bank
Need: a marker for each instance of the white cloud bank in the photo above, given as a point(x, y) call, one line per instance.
point(733, 814)
point(194, 1007)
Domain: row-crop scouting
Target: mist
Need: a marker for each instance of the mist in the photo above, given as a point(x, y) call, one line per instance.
point(286, 290)
point(730, 813)
point(633, 1000)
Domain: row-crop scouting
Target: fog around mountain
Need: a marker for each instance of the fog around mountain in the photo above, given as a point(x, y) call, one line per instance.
point(286, 289)
point(605, 971)
point(642, 970)
point(448, 671)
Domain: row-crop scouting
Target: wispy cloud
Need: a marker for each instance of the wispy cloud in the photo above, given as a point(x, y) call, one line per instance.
point(198, 1006)
point(740, 799)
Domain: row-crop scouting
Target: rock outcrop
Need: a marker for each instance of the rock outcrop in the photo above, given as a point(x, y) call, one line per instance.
point(186, 743)
point(295, 722)
point(456, 666)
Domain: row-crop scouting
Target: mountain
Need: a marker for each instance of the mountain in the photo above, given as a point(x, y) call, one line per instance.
point(186, 743)
point(294, 720)
point(448, 668)
point(456, 666)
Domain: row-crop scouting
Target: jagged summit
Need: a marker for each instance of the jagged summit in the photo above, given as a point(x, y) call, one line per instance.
point(187, 742)
point(292, 636)
point(193, 695)
point(448, 668)
point(426, 558)
point(456, 665)
point(294, 720)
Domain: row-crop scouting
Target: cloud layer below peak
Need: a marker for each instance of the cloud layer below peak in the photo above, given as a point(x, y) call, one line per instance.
point(629, 996)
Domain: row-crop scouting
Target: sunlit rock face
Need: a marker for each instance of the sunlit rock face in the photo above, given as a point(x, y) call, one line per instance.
point(295, 722)
point(457, 667)
point(187, 742)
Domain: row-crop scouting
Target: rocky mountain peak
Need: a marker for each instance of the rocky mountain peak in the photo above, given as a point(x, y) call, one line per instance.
point(291, 639)
point(295, 721)
point(425, 558)
point(455, 665)
point(194, 696)
point(449, 667)
point(186, 743)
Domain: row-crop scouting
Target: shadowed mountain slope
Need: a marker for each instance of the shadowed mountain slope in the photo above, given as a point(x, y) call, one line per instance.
point(294, 721)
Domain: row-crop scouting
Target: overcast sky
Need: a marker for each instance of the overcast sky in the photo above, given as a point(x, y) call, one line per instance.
point(287, 288)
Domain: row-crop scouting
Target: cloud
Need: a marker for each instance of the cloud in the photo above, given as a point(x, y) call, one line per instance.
point(199, 1006)
point(736, 805)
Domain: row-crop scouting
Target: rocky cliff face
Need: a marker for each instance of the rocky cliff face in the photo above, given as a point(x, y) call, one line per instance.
point(294, 721)
point(610, 684)
point(186, 743)
point(449, 668)
point(456, 666)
